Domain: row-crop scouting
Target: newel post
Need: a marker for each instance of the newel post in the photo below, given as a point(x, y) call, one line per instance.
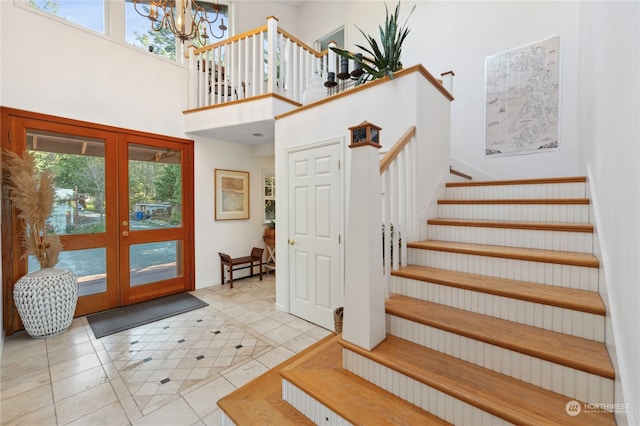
point(364, 317)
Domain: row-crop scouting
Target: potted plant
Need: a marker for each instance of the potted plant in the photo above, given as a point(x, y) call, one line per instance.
point(46, 299)
point(385, 58)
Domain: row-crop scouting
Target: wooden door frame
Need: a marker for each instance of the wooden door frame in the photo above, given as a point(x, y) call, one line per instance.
point(13, 266)
point(173, 285)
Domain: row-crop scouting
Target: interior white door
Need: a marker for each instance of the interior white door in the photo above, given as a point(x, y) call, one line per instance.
point(315, 209)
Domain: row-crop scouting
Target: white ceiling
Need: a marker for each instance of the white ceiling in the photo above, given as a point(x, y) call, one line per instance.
point(246, 133)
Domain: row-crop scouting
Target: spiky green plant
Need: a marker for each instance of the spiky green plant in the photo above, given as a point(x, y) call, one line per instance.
point(32, 193)
point(385, 57)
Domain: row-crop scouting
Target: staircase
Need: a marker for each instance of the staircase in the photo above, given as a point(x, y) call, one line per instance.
point(495, 320)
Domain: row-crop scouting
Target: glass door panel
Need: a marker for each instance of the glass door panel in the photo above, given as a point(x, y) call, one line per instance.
point(151, 262)
point(89, 266)
point(155, 187)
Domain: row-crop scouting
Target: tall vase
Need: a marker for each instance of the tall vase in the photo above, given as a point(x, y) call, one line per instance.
point(46, 301)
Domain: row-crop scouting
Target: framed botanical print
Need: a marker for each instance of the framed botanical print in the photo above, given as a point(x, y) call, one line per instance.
point(231, 194)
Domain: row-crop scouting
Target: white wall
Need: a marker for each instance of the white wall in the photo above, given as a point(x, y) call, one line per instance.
point(610, 129)
point(251, 14)
point(233, 237)
point(330, 121)
point(458, 36)
point(79, 74)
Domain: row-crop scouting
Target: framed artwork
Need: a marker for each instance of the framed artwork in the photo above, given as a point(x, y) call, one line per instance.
point(523, 99)
point(232, 194)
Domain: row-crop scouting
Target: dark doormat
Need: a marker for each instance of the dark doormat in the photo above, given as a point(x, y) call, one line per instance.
point(119, 319)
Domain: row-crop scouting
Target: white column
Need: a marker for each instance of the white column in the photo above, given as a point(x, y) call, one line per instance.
point(364, 317)
point(272, 62)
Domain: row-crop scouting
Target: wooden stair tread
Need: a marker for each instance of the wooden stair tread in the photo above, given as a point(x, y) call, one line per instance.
point(534, 255)
point(566, 179)
point(260, 401)
point(567, 201)
point(318, 372)
point(571, 351)
point(357, 400)
point(536, 226)
point(561, 297)
point(513, 400)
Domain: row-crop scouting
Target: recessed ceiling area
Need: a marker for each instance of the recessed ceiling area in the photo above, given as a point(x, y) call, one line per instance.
point(253, 133)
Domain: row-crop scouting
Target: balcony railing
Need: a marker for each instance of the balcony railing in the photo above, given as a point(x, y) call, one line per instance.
point(263, 61)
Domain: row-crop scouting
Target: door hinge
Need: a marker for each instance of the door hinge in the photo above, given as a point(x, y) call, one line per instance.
point(11, 254)
point(339, 165)
point(9, 134)
point(339, 239)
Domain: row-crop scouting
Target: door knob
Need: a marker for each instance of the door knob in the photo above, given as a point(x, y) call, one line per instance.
point(292, 242)
point(125, 233)
point(125, 223)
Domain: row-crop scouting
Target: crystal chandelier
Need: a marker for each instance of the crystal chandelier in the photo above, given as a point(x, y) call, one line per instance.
point(184, 18)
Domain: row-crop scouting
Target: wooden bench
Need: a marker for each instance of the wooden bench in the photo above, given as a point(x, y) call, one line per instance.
point(228, 261)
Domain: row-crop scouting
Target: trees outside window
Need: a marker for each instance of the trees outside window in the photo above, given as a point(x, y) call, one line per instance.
point(269, 195)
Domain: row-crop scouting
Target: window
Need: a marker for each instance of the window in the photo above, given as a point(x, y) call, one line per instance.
point(93, 14)
point(164, 43)
point(89, 14)
point(337, 36)
point(269, 195)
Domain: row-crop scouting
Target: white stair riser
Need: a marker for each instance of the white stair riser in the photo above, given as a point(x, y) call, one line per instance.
point(581, 242)
point(555, 190)
point(537, 272)
point(548, 375)
point(567, 321)
point(436, 402)
point(578, 213)
point(310, 408)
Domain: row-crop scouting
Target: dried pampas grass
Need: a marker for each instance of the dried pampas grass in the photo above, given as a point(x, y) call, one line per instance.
point(32, 194)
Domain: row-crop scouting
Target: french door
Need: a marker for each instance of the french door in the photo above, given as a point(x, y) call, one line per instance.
point(123, 209)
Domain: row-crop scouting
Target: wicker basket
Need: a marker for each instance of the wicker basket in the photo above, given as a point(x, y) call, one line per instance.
point(338, 314)
point(46, 301)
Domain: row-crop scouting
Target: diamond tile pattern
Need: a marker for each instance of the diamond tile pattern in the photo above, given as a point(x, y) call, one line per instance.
point(176, 368)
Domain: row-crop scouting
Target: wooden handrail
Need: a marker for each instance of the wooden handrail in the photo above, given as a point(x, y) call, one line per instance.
point(396, 149)
point(300, 43)
point(229, 40)
point(256, 31)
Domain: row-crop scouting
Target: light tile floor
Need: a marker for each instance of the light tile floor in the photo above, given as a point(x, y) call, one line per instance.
point(171, 372)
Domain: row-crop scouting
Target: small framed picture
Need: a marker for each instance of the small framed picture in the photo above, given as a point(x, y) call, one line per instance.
point(231, 194)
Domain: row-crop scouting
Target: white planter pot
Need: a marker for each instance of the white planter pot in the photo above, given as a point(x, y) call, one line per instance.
point(46, 301)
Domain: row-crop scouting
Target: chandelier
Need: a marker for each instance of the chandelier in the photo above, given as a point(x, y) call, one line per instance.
point(184, 18)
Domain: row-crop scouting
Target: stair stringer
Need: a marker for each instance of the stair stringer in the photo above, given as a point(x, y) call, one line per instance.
point(621, 388)
point(430, 207)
